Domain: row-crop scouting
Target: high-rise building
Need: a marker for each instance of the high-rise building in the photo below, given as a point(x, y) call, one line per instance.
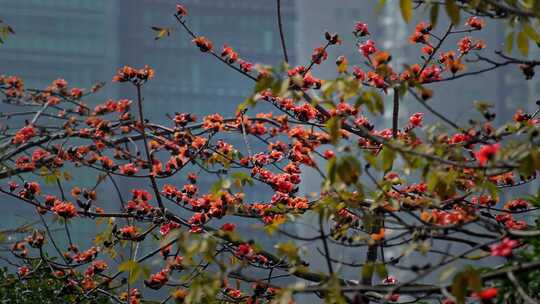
point(85, 41)
point(503, 87)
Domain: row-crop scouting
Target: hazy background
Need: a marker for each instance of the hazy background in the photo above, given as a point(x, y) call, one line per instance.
point(85, 41)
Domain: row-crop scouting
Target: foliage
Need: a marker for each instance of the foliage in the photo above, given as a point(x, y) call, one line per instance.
point(41, 287)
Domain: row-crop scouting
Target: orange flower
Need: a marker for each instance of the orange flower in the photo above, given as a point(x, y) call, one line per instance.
point(380, 58)
point(213, 122)
point(475, 22)
point(379, 235)
point(60, 83)
point(198, 142)
point(229, 54)
point(64, 209)
point(124, 74)
point(157, 280)
point(24, 134)
point(203, 44)
point(128, 232)
point(128, 169)
point(76, 93)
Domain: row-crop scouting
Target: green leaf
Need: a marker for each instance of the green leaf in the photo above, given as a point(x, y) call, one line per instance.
point(242, 179)
point(523, 43)
point(367, 270)
point(334, 129)
point(509, 42)
point(388, 157)
point(531, 32)
point(464, 281)
point(263, 84)
point(331, 168)
point(216, 187)
point(474, 280)
point(133, 268)
point(381, 270)
point(406, 9)
point(459, 289)
point(349, 170)
point(452, 10)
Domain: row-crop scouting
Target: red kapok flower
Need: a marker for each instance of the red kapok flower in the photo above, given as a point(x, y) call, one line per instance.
point(486, 153)
point(128, 169)
point(24, 134)
point(361, 29)
point(23, 271)
point(128, 232)
point(329, 154)
point(475, 22)
point(203, 44)
point(60, 83)
point(166, 228)
point(319, 55)
point(504, 248)
point(229, 54)
point(367, 48)
point(76, 93)
point(229, 227)
point(181, 10)
point(487, 294)
point(64, 209)
point(416, 119)
point(157, 280)
point(244, 250)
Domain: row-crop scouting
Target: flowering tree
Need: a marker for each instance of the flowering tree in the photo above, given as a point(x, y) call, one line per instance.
point(415, 189)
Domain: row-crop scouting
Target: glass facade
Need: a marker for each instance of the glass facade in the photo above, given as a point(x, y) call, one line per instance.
point(85, 41)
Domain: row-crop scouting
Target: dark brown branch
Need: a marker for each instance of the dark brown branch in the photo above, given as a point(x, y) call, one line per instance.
point(281, 34)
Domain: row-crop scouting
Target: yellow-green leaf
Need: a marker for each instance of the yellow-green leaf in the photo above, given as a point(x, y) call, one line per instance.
point(133, 268)
point(334, 129)
point(523, 43)
point(388, 156)
point(406, 9)
point(381, 270)
point(434, 14)
point(509, 42)
point(531, 32)
point(367, 270)
point(161, 32)
point(452, 10)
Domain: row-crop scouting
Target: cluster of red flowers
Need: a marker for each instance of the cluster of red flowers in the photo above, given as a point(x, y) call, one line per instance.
point(133, 75)
point(121, 106)
point(24, 134)
point(139, 203)
point(458, 215)
point(64, 209)
point(157, 280)
point(13, 84)
point(504, 248)
point(213, 122)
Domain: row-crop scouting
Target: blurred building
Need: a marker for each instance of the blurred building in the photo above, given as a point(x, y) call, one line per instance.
point(85, 41)
point(505, 88)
